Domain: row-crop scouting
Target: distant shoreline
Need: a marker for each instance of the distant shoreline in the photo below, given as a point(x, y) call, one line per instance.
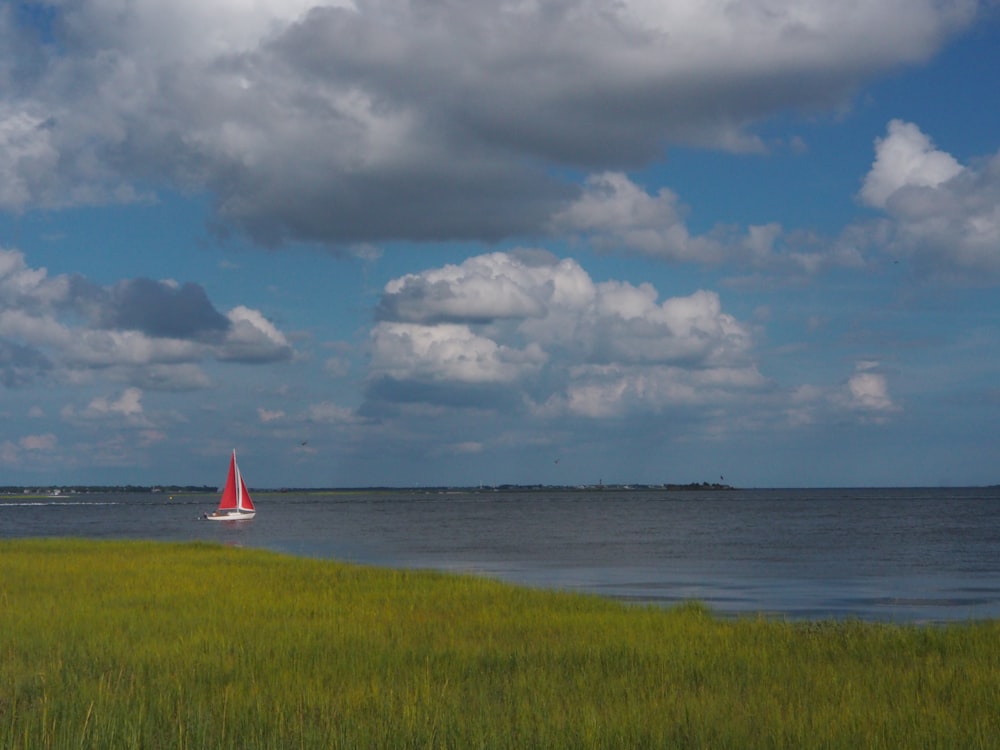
point(68, 490)
point(61, 491)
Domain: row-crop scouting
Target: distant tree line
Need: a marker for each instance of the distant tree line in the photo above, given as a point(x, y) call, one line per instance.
point(177, 489)
point(79, 489)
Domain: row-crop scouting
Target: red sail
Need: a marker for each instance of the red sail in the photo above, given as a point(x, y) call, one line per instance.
point(228, 501)
point(247, 502)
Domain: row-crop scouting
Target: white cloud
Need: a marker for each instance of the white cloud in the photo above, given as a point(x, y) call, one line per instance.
point(563, 342)
point(905, 157)
point(869, 391)
point(943, 215)
point(865, 396)
point(482, 288)
point(22, 286)
point(253, 338)
point(36, 329)
point(447, 352)
point(628, 324)
point(616, 390)
point(127, 408)
point(103, 348)
point(176, 30)
point(381, 119)
point(617, 215)
point(150, 334)
point(26, 152)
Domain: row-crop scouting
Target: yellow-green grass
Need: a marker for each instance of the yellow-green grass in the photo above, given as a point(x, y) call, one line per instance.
point(150, 645)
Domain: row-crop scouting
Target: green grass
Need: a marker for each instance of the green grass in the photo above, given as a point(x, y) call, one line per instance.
point(148, 645)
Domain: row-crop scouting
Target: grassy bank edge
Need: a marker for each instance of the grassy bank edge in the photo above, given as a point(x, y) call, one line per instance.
point(150, 644)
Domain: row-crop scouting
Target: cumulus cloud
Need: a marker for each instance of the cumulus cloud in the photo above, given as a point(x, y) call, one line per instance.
point(370, 120)
point(905, 157)
point(865, 396)
point(618, 390)
point(943, 215)
point(449, 352)
point(126, 408)
point(26, 288)
point(153, 334)
point(253, 338)
point(869, 391)
point(162, 309)
point(617, 215)
point(565, 343)
point(130, 348)
point(935, 211)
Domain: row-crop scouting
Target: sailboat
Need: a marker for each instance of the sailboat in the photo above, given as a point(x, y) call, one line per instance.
point(236, 504)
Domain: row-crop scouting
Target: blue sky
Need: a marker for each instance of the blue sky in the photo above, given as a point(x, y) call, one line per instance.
point(391, 243)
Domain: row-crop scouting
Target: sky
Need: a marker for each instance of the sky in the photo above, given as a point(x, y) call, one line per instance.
point(425, 242)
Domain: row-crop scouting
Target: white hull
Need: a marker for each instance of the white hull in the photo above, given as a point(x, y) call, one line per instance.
point(234, 515)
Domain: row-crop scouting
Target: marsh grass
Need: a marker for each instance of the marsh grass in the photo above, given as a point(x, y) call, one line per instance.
point(151, 645)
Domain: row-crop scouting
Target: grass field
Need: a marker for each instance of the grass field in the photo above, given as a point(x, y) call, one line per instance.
point(150, 645)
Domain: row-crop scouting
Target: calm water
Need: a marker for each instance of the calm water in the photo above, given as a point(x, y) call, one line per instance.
point(903, 555)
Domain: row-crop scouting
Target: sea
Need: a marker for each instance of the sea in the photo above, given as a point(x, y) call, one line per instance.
point(902, 555)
